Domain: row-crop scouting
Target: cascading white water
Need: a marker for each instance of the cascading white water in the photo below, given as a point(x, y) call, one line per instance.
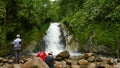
point(52, 39)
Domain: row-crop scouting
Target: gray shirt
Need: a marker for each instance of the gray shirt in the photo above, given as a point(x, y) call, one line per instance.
point(17, 42)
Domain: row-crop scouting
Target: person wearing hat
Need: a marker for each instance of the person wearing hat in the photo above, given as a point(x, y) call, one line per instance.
point(17, 47)
point(50, 60)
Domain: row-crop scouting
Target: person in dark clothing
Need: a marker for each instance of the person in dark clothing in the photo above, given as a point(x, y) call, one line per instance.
point(17, 47)
point(50, 60)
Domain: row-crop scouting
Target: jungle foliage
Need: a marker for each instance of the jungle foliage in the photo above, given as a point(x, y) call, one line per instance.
point(25, 17)
point(93, 22)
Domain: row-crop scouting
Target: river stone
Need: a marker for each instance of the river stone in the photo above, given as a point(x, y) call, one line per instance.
point(63, 55)
point(92, 65)
point(5, 61)
point(91, 59)
point(35, 62)
point(98, 59)
point(101, 66)
point(1, 59)
point(83, 66)
point(1, 64)
point(87, 55)
point(83, 62)
point(118, 60)
point(74, 62)
point(110, 61)
point(69, 62)
point(10, 61)
point(68, 66)
point(110, 66)
point(75, 66)
point(60, 64)
point(16, 66)
point(75, 57)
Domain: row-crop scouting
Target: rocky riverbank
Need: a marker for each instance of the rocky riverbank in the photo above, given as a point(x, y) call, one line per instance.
point(63, 60)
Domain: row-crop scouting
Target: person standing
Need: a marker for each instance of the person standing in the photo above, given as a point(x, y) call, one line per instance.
point(17, 47)
point(50, 60)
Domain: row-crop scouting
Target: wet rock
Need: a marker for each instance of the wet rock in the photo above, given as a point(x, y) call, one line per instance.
point(1, 64)
point(92, 65)
point(7, 66)
point(35, 62)
point(83, 62)
point(87, 55)
point(63, 55)
point(75, 66)
point(98, 59)
point(118, 60)
point(5, 61)
point(81, 56)
point(110, 66)
point(83, 66)
point(69, 62)
point(110, 61)
point(117, 65)
point(68, 66)
point(16, 66)
point(74, 62)
point(101, 66)
point(1, 59)
point(10, 61)
point(91, 59)
point(74, 58)
point(60, 64)
point(24, 59)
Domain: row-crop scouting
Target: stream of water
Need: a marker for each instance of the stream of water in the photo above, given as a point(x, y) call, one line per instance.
point(53, 38)
point(53, 41)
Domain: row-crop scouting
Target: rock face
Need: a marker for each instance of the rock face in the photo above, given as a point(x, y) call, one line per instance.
point(63, 55)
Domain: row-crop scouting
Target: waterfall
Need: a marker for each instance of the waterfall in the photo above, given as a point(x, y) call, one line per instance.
point(53, 39)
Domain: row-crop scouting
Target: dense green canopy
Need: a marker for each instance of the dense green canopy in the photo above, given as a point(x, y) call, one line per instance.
point(25, 17)
point(93, 22)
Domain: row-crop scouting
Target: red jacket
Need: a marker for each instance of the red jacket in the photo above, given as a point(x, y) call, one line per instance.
point(42, 55)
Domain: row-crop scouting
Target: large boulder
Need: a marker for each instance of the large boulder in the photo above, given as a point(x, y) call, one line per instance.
point(35, 63)
point(63, 55)
point(87, 55)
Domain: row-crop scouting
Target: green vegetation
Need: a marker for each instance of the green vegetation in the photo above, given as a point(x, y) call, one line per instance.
point(93, 22)
point(25, 17)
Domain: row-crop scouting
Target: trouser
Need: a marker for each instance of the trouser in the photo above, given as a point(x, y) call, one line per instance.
point(17, 56)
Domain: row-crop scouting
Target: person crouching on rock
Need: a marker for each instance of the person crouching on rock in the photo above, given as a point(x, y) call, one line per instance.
point(50, 60)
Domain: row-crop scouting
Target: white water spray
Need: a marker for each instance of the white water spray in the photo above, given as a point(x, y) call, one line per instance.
point(52, 39)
